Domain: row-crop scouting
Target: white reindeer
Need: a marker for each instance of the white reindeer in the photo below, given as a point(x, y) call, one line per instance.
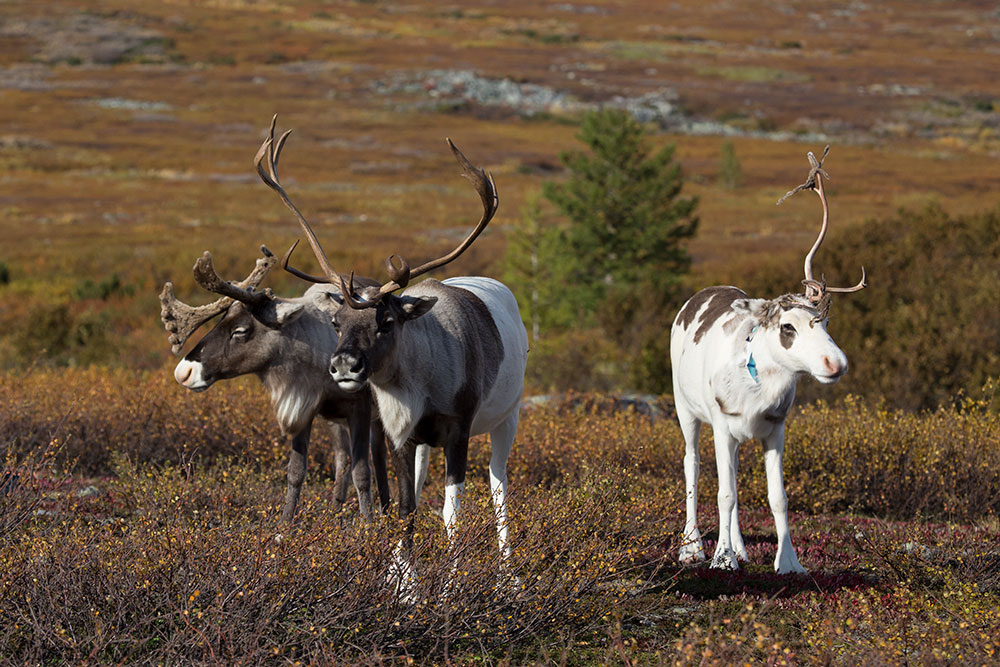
point(736, 362)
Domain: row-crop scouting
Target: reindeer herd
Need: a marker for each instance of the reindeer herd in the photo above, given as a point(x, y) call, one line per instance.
point(398, 368)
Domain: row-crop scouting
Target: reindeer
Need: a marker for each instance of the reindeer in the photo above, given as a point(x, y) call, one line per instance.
point(736, 362)
point(443, 360)
point(287, 343)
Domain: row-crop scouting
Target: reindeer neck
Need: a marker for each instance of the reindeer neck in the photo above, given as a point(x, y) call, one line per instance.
point(767, 380)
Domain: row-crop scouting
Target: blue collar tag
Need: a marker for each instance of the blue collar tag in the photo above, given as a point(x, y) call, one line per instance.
point(751, 364)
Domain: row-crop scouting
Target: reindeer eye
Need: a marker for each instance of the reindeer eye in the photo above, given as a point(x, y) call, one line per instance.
point(385, 326)
point(787, 329)
point(239, 332)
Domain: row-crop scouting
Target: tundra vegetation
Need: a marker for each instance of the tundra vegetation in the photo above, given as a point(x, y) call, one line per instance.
point(123, 155)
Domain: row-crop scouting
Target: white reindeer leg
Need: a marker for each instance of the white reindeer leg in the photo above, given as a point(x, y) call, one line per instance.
point(735, 536)
point(785, 561)
point(501, 442)
point(692, 549)
point(423, 461)
point(725, 460)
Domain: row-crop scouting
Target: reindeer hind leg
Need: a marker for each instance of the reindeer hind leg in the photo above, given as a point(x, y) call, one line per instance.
point(692, 550)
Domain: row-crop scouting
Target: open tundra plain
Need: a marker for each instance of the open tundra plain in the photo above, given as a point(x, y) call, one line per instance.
point(139, 522)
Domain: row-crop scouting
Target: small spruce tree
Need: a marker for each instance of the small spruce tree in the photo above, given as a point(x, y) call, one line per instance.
point(730, 171)
point(528, 269)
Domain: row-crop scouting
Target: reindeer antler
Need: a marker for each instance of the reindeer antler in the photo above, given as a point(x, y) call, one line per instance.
point(399, 276)
point(182, 320)
point(817, 289)
point(271, 149)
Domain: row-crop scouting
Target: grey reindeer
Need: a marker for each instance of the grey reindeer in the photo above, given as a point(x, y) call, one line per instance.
point(286, 343)
point(443, 360)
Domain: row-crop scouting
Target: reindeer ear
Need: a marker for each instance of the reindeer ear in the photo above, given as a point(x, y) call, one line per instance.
point(416, 306)
point(328, 302)
point(287, 311)
point(758, 310)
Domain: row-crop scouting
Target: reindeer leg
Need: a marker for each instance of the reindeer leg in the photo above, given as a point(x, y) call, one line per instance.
point(785, 561)
point(360, 425)
point(692, 550)
point(423, 461)
point(342, 463)
point(725, 461)
point(501, 442)
point(378, 461)
point(735, 536)
point(296, 472)
point(403, 574)
point(456, 455)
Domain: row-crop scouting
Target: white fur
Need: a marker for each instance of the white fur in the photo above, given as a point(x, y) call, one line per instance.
point(293, 407)
point(423, 462)
point(712, 375)
point(452, 503)
point(190, 375)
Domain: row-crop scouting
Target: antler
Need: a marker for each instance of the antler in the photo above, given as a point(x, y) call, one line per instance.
point(400, 277)
point(816, 289)
point(272, 151)
point(182, 320)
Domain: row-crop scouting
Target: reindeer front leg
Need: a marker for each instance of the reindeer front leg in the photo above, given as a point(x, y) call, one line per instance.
point(378, 461)
point(296, 472)
point(725, 460)
point(692, 550)
point(785, 561)
point(403, 573)
point(360, 426)
point(735, 536)
point(456, 454)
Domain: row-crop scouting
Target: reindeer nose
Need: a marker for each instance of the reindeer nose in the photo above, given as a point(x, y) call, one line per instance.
point(833, 367)
point(347, 365)
point(183, 372)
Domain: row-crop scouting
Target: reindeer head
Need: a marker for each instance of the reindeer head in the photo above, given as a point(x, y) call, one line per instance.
point(368, 336)
point(243, 341)
point(368, 320)
point(791, 330)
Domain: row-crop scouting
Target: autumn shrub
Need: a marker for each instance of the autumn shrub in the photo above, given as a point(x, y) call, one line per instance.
point(146, 417)
point(841, 456)
point(189, 487)
point(184, 563)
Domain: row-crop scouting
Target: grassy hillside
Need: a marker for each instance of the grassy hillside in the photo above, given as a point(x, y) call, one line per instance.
point(126, 129)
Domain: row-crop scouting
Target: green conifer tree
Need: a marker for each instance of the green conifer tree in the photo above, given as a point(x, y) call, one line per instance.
point(730, 171)
point(623, 250)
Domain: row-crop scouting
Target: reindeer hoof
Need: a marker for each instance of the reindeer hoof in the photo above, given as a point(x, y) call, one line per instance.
point(789, 568)
point(725, 560)
point(786, 562)
point(691, 555)
point(692, 549)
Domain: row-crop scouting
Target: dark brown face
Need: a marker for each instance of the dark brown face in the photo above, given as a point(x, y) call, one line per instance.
point(368, 336)
point(242, 342)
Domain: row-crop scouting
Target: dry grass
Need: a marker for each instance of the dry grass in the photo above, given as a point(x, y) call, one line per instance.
point(190, 501)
